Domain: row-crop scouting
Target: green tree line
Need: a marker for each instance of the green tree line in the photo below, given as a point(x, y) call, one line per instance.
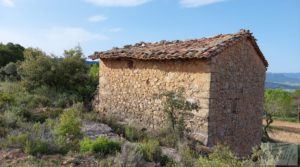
point(34, 69)
point(282, 104)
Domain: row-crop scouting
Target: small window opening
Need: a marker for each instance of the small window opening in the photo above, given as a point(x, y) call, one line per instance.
point(234, 105)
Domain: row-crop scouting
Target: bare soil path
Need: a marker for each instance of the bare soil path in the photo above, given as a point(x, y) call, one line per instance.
point(285, 131)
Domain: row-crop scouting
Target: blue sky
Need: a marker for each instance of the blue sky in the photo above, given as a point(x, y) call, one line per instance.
point(55, 25)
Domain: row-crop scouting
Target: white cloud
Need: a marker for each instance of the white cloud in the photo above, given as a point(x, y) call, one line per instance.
point(52, 40)
point(97, 18)
point(196, 3)
point(118, 3)
point(117, 29)
point(8, 3)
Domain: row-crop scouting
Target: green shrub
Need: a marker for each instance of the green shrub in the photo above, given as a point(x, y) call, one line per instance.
point(15, 141)
point(131, 133)
point(54, 112)
point(36, 140)
point(5, 100)
point(3, 132)
point(176, 108)
point(101, 146)
point(10, 119)
point(33, 162)
point(67, 130)
point(129, 156)
point(41, 114)
point(86, 145)
point(69, 124)
point(91, 116)
point(11, 88)
point(107, 162)
point(187, 155)
point(167, 137)
point(68, 74)
point(278, 103)
point(36, 147)
point(150, 150)
point(165, 160)
point(173, 164)
point(112, 121)
point(221, 157)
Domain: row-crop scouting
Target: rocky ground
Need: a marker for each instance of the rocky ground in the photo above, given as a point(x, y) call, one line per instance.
point(92, 130)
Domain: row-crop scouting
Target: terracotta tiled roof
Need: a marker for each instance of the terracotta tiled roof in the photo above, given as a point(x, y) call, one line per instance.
point(188, 49)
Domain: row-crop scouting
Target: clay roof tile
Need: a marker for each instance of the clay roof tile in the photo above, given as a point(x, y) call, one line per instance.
point(188, 49)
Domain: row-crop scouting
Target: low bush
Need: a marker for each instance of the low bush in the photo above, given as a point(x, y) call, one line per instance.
point(101, 146)
point(221, 157)
point(91, 116)
point(132, 134)
point(188, 156)
point(173, 164)
point(34, 139)
point(15, 141)
point(42, 114)
point(34, 162)
point(167, 138)
point(129, 156)
point(68, 131)
point(3, 132)
point(107, 162)
point(150, 150)
point(85, 145)
point(5, 100)
point(10, 119)
point(36, 147)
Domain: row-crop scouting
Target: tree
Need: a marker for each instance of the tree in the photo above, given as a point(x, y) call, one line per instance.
point(266, 128)
point(175, 106)
point(38, 69)
point(75, 52)
point(278, 103)
point(68, 74)
point(296, 102)
point(10, 53)
point(9, 72)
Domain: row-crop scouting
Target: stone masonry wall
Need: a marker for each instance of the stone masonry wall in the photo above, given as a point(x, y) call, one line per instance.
point(236, 98)
point(128, 87)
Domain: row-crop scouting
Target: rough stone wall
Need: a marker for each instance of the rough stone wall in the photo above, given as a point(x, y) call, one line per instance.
point(228, 90)
point(128, 87)
point(236, 98)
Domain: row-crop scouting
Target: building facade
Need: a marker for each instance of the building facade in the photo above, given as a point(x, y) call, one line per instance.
point(224, 75)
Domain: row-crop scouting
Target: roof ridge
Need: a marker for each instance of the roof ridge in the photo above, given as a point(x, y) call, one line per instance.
point(180, 49)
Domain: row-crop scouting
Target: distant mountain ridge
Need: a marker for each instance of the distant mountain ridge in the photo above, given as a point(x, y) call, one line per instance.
point(287, 81)
point(91, 62)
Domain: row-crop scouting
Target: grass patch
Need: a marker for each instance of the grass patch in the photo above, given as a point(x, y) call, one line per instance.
point(150, 150)
point(101, 146)
point(288, 119)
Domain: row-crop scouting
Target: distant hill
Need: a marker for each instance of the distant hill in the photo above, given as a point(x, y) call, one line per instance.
point(91, 62)
point(287, 81)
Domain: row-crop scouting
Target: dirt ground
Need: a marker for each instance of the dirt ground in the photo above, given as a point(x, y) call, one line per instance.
point(285, 131)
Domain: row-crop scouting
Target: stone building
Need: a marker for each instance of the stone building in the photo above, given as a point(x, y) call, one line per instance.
point(223, 74)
